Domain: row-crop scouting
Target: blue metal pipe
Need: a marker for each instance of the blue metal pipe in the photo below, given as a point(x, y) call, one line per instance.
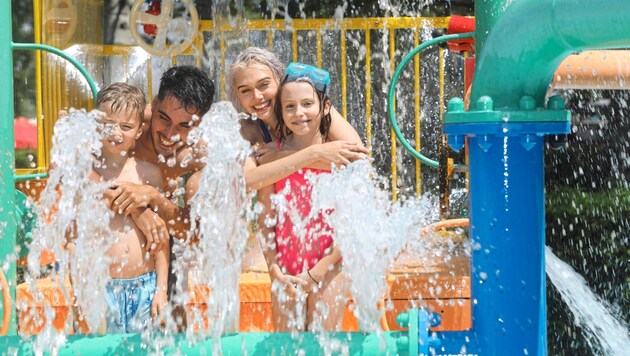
point(507, 220)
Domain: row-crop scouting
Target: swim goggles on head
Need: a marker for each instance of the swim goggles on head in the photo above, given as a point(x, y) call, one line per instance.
point(319, 78)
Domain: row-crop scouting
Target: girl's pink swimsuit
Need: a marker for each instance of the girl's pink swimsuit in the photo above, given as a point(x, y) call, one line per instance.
point(303, 244)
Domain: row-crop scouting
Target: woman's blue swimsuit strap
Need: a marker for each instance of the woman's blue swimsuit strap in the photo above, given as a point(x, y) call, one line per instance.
point(265, 131)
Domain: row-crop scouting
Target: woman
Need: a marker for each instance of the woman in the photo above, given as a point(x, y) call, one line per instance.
point(252, 86)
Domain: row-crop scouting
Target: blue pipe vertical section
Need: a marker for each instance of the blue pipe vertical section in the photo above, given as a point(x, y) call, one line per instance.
point(507, 220)
point(8, 223)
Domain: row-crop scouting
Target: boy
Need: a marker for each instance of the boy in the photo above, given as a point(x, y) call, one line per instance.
point(184, 92)
point(137, 289)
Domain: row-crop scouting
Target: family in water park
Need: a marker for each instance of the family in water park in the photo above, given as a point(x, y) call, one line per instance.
point(295, 133)
point(314, 178)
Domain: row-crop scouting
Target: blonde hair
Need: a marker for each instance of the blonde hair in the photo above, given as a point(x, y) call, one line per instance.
point(122, 96)
point(246, 58)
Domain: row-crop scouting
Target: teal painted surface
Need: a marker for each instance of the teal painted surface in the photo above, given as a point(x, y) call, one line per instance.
point(528, 41)
point(34, 176)
point(236, 344)
point(487, 13)
point(41, 47)
point(7, 155)
point(25, 218)
point(484, 113)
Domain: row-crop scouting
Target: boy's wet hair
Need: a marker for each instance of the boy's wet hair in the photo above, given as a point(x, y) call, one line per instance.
point(324, 125)
point(247, 57)
point(122, 96)
point(191, 86)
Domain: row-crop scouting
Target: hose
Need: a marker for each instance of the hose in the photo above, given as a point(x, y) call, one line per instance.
point(392, 93)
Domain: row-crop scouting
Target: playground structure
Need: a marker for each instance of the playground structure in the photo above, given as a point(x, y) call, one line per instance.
point(505, 127)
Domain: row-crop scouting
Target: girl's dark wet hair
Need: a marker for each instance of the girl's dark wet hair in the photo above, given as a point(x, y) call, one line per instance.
point(324, 125)
point(190, 85)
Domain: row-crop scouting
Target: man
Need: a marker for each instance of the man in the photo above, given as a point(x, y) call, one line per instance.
point(184, 96)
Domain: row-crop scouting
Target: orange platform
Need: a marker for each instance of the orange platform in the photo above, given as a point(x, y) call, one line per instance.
point(441, 287)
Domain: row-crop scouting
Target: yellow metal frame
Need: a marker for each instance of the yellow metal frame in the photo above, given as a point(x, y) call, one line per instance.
point(42, 149)
point(51, 87)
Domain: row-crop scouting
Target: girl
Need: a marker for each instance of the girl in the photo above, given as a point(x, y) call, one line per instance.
point(252, 85)
point(303, 261)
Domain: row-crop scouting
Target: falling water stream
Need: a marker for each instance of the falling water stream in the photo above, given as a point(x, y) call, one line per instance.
point(72, 203)
point(371, 232)
point(219, 221)
point(605, 332)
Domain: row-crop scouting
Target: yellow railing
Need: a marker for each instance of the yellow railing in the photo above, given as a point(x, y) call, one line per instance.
point(56, 93)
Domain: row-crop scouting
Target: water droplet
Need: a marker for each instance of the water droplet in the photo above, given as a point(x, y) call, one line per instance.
point(485, 143)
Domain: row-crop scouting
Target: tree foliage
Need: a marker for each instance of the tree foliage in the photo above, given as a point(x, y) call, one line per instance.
point(23, 61)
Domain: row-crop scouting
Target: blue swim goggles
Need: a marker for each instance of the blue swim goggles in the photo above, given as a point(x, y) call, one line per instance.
point(319, 78)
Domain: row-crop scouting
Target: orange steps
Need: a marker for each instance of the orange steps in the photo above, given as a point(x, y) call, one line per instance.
point(442, 287)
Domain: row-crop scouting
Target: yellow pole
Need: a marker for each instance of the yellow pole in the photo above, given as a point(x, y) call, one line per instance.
point(442, 145)
point(198, 44)
point(418, 108)
point(59, 87)
point(294, 43)
point(368, 90)
point(270, 36)
point(125, 64)
point(319, 48)
point(221, 74)
point(42, 153)
point(392, 60)
point(344, 81)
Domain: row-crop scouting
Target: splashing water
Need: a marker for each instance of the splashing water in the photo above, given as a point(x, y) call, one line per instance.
point(218, 218)
point(589, 311)
point(370, 231)
point(72, 203)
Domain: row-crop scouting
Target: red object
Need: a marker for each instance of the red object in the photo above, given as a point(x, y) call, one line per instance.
point(300, 242)
point(25, 133)
point(155, 8)
point(461, 24)
point(469, 70)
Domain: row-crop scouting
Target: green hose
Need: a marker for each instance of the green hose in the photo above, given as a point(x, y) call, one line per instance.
point(81, 68)
point(392, 92)
point(36, 46)
point(34, 176)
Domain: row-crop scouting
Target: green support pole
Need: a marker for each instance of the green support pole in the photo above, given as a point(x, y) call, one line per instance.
point(8, 225)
